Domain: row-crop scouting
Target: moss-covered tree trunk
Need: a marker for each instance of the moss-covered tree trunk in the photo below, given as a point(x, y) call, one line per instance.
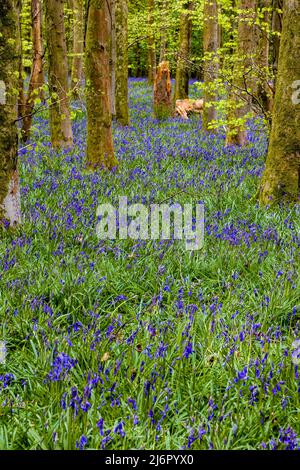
point(100, 149)
point(10, 212)
point(162, 92)
point(121, 90)
point(37, 76)
point(60, 122)
point(182, 70)
point(243, 86)
point(281, 179)
point(76, 74)
point(151, 44)
point(211, 65)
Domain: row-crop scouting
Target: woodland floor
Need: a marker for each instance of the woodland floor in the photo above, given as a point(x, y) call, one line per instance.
point(132, 345)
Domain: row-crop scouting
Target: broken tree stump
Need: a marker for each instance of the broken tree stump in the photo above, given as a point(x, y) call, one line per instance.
point(162, 92)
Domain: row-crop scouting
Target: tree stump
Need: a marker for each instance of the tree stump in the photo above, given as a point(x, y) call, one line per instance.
point(162, 92)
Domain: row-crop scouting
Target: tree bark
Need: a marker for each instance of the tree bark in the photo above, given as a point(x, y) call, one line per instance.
point(151, 44)
point(76, 74)
point(100, 149)
point(10, 212)
point(121, 92)
point(281, 179)
point(243, 85)
point(60, 122)
point(37, 76)
point(182, 69)
point(211, 65)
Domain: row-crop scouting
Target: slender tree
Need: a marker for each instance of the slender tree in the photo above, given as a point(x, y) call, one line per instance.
point(100, 149)
point(37, 76)
point(121, 89)
point(182, 70)
point(10, 212)
point(163, 31)
point(60, 122)
point(276, 30)
point(113, 54)
point(263, 92)
point(77, 72)
point(211, 64)
point(151, 44)
point(21, 97)
point(281, 179)
point(243, 82)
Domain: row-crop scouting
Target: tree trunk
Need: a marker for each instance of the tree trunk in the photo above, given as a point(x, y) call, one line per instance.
point(276, 28)
point(76, 74)
point(243, 85)
point(182, 69)
point(121, 93)
point(263, 92)
point(281, 179)
point(211, 66)
point(113, 55)
point(100, 149)
point(10, 212)
point(151, 44)
point(37, 77)
point(162, 92)
point(163, 31)
point(21, 97)
point(60, 122)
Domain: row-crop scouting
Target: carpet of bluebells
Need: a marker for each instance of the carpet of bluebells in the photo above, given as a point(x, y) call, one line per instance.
point(128, 344)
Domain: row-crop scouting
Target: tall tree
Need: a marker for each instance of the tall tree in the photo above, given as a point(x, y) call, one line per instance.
point(163, 31)
point(76, 74)
point(281, 179)
point(243, 82)
point(113, 54)
point(211, 65)
point(9, 52)
point(21, 97)
point(263, 92)
point(182, 69)
point(37, 76)
point(60, 122)
point(121, 87)
point(100, 149)
point(151, 44)
point(276, 30)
